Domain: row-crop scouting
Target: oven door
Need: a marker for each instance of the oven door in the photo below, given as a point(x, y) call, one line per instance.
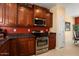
point(42, 41)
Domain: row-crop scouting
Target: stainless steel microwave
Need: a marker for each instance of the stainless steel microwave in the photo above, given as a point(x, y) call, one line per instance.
point(39, 22)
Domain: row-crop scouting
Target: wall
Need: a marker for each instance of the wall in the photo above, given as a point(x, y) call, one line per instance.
point(58, 11)
point(58, 24)
point(54, 11)
point(72, 9)
point(69, 34)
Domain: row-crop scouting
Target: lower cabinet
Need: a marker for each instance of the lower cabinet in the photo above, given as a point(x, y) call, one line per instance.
point(31, 46)
point(18, 47)
point(13, 47)
point(4, 49)
point(52, 41)
point(26, 46)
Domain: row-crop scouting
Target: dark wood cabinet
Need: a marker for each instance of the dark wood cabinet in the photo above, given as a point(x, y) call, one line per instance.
point(52, 41)
point(6, 14)
point(1, 14)
point(22, 46)
point(13, 47)
point(25, 15)
point(26, 46)
point(48, 18)
point(4, 49)
point(31, 46)
point(10, 14)
point(39, 12)
point(13, 14)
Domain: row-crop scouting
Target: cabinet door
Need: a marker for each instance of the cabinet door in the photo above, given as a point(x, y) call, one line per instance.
point(48, 19)
point(52, 41)
point(26, 46)
point(1, 13)
point(22, 19)
point(25, 16)
point(11, 14)
point(31, 46)
point(6, 14)
point(39, 12)
point(22, 46)
point(4, 49)
point(29, 12)
point(13, 47)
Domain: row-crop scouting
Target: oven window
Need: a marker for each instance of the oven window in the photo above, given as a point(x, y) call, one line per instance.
point(42, 42)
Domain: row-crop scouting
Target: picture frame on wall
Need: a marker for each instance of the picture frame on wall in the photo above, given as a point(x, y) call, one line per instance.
point(67, 26)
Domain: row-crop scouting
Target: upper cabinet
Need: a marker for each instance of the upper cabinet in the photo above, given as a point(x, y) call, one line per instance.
point(25, 15)
point(22, 14)
point(1, 13)
point(10, 14)
point(39, 12)
point(48, 21)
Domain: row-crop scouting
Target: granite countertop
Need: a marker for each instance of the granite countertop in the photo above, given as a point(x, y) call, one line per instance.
point(3, 41)
point(14, 36)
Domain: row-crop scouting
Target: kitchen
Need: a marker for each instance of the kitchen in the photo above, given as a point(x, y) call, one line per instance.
point(24, 29)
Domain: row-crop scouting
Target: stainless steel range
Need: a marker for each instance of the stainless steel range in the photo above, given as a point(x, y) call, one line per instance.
point(41, 41)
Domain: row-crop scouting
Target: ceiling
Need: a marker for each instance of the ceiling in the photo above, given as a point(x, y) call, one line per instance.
point(72, 9)
point(46, 5)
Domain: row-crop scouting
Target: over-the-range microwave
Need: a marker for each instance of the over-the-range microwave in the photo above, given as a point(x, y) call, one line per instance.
point(39, 22)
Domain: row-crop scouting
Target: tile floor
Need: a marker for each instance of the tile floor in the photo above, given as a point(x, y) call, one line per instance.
point(70, 49)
